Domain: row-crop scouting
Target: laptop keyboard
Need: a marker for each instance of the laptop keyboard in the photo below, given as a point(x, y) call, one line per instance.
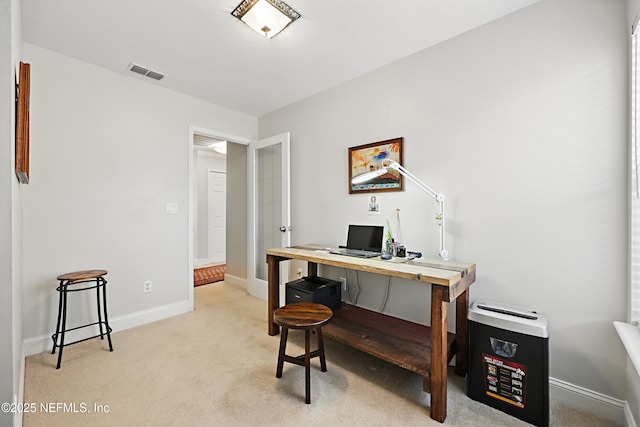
point(356, 253)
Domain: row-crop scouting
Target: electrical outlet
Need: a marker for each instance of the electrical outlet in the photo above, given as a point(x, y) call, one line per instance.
point(299, 272)
point(146, 287)
point(344, 283)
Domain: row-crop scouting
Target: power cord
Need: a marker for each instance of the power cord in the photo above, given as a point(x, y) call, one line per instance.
point(354, 300)
point(386, 295)
point(346, 275)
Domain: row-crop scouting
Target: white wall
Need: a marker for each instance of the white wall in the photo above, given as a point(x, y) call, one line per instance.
point(236, 271)
point(109, 151)
point(522, 124)
point(11, 358)
point(633, 9)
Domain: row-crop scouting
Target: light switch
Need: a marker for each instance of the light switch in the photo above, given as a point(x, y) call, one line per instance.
point(172, 208)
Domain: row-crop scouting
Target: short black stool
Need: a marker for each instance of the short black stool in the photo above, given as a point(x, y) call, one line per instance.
point(76, 282)
point(306, 316)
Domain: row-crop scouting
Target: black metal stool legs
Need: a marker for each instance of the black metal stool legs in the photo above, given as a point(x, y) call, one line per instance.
point(106, 318)
point(54, 337)
point(99, 308)
point(64, 325)
point(62, 321)
point(67, 282)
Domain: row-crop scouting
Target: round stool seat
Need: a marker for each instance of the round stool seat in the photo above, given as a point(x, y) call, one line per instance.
point(82, 275)
point(302, 315)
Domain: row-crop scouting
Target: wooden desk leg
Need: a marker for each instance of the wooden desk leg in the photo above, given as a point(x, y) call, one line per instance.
point(273, 284)
point(312, 269)
point(462, 356)
point(438, 354)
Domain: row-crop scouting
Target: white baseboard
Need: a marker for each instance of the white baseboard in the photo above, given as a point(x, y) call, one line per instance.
point(19, 398)
point(203, 261)
point(590, 401)
point(240, 282)
point(43, 343)
point(628, 416)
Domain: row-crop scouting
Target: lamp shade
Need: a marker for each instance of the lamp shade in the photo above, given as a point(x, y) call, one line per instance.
point(368, 176)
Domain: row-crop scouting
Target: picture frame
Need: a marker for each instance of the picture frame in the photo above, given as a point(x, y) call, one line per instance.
point(23, 89)
point(369, 157)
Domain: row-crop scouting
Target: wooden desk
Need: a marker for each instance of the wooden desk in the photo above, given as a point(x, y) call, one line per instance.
point(425, 350)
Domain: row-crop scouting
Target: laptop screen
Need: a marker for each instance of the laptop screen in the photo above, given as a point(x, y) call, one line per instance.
point(365, 237)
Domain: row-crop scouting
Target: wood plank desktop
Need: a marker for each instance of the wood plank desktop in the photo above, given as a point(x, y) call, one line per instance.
point(421, 349)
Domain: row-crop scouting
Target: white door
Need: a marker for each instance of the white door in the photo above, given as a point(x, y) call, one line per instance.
point(217, 229)
point(269, 207)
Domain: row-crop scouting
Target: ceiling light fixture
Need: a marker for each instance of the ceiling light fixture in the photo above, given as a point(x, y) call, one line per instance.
point(266, 17)
point(219, 147)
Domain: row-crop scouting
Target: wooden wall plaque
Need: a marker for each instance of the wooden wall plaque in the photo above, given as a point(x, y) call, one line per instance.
point(22, 123)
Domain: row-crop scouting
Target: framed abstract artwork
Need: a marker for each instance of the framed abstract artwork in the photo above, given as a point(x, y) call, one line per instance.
point(368, 158)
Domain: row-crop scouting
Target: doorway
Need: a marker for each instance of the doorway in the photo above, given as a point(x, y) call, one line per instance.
point(240, 252)
point(236, 202)
point(210, 161)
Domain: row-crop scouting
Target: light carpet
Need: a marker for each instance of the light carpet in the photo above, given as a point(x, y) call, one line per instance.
point(216, 366)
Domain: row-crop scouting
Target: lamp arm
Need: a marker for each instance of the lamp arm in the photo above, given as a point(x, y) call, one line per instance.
point(444, 254)
point(438, 197)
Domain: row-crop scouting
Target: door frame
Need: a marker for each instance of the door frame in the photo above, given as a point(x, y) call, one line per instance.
point(191, 197)
point(257, 287)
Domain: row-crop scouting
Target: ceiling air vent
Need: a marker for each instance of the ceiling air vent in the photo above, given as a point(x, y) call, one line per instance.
point(139, 69)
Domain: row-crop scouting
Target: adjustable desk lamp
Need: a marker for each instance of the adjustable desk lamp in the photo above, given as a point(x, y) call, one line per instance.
point(438, 197)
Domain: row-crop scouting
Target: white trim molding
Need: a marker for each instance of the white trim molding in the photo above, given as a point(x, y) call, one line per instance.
point(19, 398)
point(630, 337)
point(589, 401)
point(43, 343)
point(628, 416)
point(240, 282)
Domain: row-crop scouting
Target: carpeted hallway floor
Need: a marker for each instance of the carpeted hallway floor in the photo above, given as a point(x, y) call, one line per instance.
point(216, 366)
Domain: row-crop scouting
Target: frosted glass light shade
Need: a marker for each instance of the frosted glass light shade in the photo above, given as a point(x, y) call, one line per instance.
point(266, 17)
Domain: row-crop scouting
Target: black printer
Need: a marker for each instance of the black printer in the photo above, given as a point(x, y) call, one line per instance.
point(314, 289)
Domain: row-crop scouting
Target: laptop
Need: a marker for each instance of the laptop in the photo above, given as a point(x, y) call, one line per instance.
point(363, 241)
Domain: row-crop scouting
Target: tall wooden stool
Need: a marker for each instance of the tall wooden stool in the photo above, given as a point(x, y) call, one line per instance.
point(76, 282)
point(307, 316)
